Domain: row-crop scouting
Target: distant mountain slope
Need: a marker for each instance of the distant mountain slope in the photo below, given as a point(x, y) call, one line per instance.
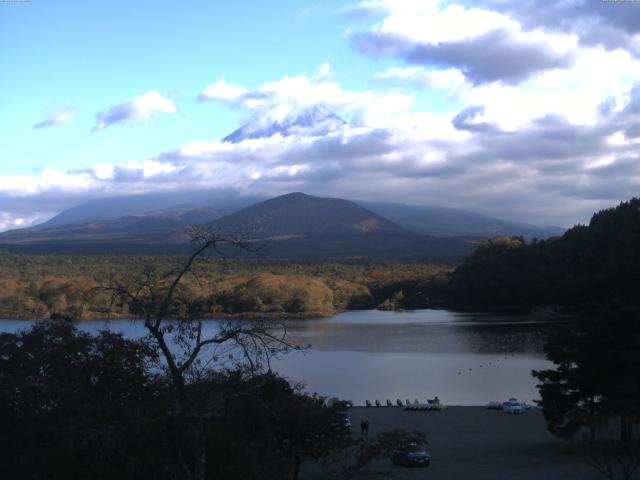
point(150, 204)
point(451, 222)
point(292, 226)
point(130, 226)
point(316, 120)
point(302, 226)
point(297, 214)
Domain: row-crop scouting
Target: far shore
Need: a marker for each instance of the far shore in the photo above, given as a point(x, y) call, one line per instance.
point(473, 443)
point(212, 316)
point(551, 313)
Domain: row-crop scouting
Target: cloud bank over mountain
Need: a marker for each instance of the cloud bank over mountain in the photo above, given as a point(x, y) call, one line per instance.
point(522, 110)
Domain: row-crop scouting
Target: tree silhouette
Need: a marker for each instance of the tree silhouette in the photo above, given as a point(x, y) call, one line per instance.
point(596, 386)
point(190, 351)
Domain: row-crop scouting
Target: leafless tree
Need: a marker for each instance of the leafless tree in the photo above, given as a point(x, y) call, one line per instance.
point(615, 460)
point(191, 348)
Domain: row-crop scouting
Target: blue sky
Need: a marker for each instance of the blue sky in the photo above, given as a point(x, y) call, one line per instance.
point(90, 55)
point(522, 110)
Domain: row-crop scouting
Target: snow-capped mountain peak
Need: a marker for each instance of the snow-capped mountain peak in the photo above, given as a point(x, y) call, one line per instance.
point(315, 120)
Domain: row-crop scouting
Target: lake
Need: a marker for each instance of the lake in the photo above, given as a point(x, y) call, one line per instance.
point(463, 358)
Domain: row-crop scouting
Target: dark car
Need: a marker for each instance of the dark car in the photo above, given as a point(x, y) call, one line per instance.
point(344, 420)
point(411, 455)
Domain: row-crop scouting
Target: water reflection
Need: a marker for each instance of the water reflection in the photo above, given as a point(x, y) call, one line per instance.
point(464, 358)
point(424, 331)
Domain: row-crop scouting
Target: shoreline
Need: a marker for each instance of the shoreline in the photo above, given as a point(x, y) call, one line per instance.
point(556, 314)
point(221, 316)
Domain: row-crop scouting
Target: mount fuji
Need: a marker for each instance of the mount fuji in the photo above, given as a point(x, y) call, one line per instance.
point(315, 120)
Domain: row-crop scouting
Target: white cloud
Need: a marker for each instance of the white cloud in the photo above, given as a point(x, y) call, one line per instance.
point(449, 80)
point(9, 220)
point(50, 178)
point(278, 99)
point(576, 93)
point(222, 90)
point(141, 108)
point(324, 71)
point(59, 116)
point(485, 45)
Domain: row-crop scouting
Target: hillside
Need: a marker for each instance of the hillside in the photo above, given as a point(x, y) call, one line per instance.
point(151, 204)
point(428, 220)
point(595, 263)
point(292, 226)
point(450, 222)
point(297, 214)
point(130, 226)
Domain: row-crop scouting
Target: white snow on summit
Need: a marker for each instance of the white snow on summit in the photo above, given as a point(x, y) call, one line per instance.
point(316, 120)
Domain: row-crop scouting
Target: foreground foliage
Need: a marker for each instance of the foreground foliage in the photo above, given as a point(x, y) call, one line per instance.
point(75, 405)
point(596, 377)
point(81, 406)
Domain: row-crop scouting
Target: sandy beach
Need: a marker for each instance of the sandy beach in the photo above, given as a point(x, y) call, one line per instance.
point(477, 444)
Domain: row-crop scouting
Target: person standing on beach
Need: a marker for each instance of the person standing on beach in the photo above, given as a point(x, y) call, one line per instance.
point(366, 427)
point(362, 427)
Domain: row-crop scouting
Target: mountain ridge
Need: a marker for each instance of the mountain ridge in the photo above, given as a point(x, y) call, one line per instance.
point(292, 226)
point(301, 214)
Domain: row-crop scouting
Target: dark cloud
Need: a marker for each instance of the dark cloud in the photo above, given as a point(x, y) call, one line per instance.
point(623, 167)
point(494, 56)
point(116, 114)
point(611, 24)
point(547, 140)
point(465, 120)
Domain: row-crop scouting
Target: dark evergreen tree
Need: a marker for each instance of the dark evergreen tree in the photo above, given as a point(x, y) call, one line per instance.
point(596, 380)
point(588, 264)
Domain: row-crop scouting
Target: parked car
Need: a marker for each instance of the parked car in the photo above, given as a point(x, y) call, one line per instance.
point(411, 455)
point(344, 420)
point(513, 406)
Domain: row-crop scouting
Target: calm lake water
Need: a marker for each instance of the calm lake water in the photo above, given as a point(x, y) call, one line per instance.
point(463, 358)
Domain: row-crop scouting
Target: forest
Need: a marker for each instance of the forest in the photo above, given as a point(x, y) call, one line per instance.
point(68, 286)
point(590, 264)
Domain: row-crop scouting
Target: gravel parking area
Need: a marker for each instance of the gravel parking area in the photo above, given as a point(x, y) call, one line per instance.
point(477, 444)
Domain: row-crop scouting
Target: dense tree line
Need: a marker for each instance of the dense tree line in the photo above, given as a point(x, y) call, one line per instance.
point(44, 286)
point(588, 264)
point(593, 391)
